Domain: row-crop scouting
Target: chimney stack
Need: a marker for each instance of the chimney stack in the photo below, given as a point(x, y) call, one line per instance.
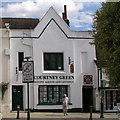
point(64, 15)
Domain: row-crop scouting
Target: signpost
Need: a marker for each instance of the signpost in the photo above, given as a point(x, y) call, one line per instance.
point(27, 72)
point(102, 93)
point(28, 77)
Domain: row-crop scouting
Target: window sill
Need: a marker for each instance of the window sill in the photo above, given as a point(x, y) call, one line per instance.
point(53, 71)
point(52, 104)
point(19, 72)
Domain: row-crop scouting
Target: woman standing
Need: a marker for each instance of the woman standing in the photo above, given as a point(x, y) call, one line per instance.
point(65, 104)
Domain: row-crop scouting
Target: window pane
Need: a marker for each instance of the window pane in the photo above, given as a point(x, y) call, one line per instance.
point(20, 60)
point(46, 61)
point(56, 94)
point(63, 91)
point(49, 94)
point(43, 94)
point(60, 61)
point(53, 61)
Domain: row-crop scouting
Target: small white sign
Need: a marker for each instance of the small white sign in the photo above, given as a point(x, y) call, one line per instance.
point(28, 71)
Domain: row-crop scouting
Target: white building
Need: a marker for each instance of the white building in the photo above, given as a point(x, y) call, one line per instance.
point(4, 70)
point(56, 51)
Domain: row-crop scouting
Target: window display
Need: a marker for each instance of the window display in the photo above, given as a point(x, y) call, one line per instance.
point(51, 93)
point(112, 98)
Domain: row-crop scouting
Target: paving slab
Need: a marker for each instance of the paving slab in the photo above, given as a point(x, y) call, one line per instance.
point(58, 116)
point(61, 119)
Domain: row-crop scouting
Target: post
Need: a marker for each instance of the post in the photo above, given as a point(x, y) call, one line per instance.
point(102, 94)
point(18, 109)
point(91, 110)
point(28, 112)
point(28, 77)
point(102, 103)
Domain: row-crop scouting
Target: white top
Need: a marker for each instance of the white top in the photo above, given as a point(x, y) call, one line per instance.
point(65, 100)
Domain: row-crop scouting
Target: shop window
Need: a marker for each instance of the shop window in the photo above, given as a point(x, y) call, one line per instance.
point(112, 98)
point(50, 94)
point(53, 61)
point(20, 60)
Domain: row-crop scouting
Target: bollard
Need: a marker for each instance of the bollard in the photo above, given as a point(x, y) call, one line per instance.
point(28, 114)
point(18, 110)
point(91, 110)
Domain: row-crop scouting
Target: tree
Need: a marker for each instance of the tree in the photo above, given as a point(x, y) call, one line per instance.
point(106, 30)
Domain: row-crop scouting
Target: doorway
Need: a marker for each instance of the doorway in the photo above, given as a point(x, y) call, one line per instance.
point(87, 98)
point(17, 97)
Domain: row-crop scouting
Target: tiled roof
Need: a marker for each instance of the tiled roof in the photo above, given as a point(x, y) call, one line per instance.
point(19, 23)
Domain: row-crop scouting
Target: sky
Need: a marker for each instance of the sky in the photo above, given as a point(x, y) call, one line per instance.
point(80, 12)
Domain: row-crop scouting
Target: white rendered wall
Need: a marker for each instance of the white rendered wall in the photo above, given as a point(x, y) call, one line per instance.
point(19, 45)
point(4, 68)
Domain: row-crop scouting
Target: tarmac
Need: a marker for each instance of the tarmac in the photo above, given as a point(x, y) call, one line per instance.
point(59, 116)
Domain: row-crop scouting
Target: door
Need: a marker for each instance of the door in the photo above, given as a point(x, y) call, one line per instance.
point(17, 97)
point(87, 98)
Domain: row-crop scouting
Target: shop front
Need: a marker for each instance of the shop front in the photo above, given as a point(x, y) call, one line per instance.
point(51, 89)
point(63, 64)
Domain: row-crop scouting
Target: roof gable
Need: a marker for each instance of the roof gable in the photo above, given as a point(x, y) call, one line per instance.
point(51, 15)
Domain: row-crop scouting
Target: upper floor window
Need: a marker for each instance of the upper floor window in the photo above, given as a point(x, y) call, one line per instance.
point(53, 61)
point(20, 60)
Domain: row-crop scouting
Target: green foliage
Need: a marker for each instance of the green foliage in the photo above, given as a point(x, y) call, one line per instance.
point(106, 30)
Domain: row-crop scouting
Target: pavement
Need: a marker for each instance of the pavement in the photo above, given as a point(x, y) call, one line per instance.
point(58, 116)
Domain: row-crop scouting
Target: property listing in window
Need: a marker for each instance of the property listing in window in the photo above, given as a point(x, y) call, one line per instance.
point(52, 93)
